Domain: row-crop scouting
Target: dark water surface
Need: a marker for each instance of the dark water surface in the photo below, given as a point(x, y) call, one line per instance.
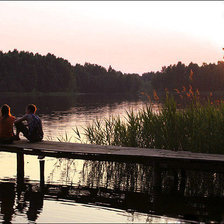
point(78, 191)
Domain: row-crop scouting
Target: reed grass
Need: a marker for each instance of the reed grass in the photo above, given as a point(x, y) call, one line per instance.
point(198, 127)
point(65, 138)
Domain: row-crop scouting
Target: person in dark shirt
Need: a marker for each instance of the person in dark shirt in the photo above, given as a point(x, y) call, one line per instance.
point(33, 130)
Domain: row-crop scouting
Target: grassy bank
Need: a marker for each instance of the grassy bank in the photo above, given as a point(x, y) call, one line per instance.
point(197, 128)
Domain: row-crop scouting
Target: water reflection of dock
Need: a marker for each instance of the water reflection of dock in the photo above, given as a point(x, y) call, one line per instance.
point(156, 199)
point(195, 208)
point(158, 159)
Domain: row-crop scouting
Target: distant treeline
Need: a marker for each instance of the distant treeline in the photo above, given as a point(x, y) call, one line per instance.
point(27, 72)
point(208, 77)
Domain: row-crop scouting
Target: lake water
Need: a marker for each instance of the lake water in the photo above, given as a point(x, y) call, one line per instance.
point(90, 191)
point(60, 114)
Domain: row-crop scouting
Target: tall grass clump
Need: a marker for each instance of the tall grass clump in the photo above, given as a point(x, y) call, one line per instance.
point(196, 126)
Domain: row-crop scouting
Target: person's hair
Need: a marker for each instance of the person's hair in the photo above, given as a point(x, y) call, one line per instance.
point(5, 110)
point(32, 108)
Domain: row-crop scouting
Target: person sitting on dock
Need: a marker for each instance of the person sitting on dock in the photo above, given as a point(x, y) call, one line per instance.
point(6, 125)
point(33, 130)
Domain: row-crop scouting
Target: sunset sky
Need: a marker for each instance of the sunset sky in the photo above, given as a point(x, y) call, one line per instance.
point(131, 36)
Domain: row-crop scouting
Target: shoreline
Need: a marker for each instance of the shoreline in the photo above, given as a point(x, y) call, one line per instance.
point(60, 93)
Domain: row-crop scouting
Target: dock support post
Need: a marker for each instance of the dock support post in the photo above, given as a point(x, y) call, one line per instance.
point(156, 180)
point(183, 181)
point(175, 181)
point(42, 162)
point(20, 170)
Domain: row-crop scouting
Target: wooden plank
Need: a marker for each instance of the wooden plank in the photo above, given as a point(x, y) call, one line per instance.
point(85, 150)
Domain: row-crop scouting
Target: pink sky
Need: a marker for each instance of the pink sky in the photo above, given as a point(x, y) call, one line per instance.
point(130, 36)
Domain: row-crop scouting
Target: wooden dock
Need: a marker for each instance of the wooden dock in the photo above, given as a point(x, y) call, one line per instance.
point(166, 158)
point(158, 159)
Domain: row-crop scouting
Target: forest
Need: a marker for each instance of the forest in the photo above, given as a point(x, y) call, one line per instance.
point(22, 71)
point(207, 77)
point(27, 72)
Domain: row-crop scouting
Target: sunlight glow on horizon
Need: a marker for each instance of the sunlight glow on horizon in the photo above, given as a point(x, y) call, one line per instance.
point(132, 36)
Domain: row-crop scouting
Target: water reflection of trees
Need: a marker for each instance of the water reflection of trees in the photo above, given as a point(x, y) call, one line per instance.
point(48, 105)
